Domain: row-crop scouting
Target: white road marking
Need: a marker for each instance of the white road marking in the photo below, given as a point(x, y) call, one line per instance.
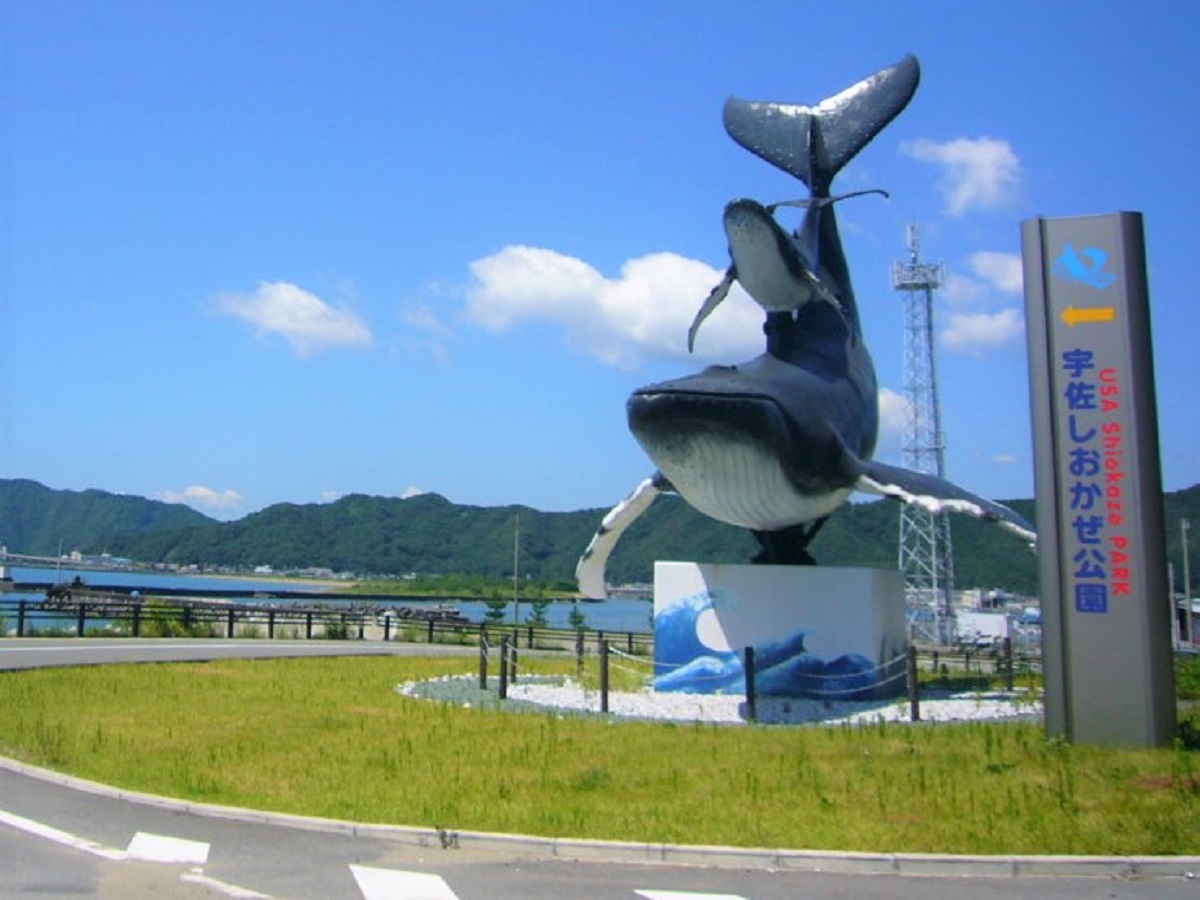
point(29, 826)
point(685, 895)
point(196, 876)
point(144, 847)
point(391, 884)
point(162, 849)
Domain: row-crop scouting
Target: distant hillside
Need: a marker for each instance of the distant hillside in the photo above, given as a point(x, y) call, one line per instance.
point(430, 534)
point(37, 520)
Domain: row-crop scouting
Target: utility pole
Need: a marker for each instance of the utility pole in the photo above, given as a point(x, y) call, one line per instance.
point(516, 570)
point(1184, 527)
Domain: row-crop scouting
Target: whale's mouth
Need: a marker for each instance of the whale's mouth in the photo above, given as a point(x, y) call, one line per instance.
point(668, 421)
point(734, 455)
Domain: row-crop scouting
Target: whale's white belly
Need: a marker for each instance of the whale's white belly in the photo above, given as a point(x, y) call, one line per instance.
point(737, 482)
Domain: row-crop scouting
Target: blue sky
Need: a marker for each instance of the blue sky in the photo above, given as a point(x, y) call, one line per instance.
point(286, 251)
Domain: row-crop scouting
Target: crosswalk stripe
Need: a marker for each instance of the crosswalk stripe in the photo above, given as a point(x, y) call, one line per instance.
point(685, 895)
point(393, 884)
point(163, 849)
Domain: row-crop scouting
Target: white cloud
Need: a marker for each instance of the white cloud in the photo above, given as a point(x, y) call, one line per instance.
point(304, 320)
point(644, 312)
point(433, 334)
point(204, 498)
point(981, 174)
point(974, 324)
point(960, 290)
point(423, 318)
point(1003, 271)
point(412, 491)
point(1004, 459)
point(973, 333)
point(893, 416)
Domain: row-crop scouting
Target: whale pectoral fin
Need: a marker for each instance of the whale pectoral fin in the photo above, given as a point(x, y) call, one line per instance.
point(589, 571)
point(711, 302)
point(938, 495)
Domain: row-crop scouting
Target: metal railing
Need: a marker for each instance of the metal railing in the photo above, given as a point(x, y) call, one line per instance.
point(120, 615)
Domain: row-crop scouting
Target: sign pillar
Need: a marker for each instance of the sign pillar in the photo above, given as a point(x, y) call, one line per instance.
point(1106, 635)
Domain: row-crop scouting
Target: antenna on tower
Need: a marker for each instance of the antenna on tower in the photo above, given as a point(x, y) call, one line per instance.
point(926, 555)
point(912, 238)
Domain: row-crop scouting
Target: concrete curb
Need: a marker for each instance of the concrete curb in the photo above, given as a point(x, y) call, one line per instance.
point(581, 850)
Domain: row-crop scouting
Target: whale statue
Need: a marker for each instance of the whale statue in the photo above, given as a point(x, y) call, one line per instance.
point(778, 443)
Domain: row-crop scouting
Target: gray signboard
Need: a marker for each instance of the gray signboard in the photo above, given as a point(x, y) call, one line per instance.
point(1105, 604)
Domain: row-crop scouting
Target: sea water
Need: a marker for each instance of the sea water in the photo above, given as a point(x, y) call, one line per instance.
point(616, 615)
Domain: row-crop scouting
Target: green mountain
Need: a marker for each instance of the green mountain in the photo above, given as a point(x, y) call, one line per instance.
point(39, 521)
point(429, 534)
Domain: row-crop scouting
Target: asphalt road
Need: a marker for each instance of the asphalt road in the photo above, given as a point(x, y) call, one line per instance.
point(63, 839)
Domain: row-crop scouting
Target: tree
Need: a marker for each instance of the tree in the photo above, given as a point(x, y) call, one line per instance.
point(495, 608)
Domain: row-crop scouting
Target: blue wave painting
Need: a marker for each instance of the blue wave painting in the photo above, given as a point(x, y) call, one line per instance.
point(692, 656)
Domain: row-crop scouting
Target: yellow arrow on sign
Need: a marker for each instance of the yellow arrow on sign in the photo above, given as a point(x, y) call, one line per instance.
point(1078, 315)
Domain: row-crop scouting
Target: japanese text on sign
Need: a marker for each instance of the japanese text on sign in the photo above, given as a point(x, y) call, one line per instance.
point(1094, 485)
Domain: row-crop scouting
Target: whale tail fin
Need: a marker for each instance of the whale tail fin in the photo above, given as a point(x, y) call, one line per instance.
point(814, 142)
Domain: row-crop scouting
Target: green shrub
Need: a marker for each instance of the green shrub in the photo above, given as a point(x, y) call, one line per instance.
point(1187, 676)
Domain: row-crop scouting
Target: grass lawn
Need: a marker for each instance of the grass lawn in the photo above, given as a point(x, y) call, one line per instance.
point(331, 737)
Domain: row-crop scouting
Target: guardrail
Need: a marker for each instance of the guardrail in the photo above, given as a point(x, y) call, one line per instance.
point(121, 615)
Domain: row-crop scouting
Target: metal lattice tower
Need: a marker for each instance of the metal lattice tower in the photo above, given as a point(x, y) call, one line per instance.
point(926, 556)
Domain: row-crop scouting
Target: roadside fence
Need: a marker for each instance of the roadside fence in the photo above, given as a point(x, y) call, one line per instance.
point(909, 675)
point(120, 615)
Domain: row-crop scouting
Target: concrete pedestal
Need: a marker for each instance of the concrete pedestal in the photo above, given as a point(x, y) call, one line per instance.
point(817, 632)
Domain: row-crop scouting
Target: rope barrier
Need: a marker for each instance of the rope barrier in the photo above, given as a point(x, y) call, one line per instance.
point(648, 666)
point(627, 669)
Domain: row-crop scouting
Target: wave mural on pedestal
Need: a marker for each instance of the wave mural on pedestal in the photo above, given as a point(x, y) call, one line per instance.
point(692, 655)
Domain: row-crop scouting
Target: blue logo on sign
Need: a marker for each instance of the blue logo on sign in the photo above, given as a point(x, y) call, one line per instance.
point(1086, 266)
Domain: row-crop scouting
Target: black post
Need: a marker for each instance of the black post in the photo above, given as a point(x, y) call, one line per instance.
point(629, 642)
point(483, 662)
point(271, 624)
point(914, 691)
point(604, 676)
point(387, 627)
point(137, 620)
point(514, 650)
point(934, 667)
point(229, 629)
point(529, 638)
point(82, 620)
point(20, 618)
point(751, 698)
point(431, 631)
point(308, 626)
point(1008, 664)
point(504, 667)
point(578, 654)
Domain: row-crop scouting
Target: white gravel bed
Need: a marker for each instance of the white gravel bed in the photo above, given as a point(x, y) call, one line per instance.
point(732, 707)
point(568, 695)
